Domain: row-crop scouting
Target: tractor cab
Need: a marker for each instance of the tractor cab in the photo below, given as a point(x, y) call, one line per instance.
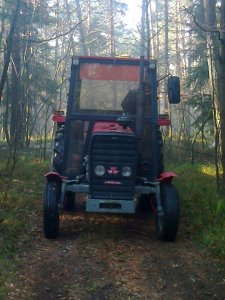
point(109, 145)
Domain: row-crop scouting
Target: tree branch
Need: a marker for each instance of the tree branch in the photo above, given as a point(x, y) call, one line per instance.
point(204, 27)
point(56, 36)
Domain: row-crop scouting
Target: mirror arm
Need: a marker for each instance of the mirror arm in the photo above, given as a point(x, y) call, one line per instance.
point(167, 75)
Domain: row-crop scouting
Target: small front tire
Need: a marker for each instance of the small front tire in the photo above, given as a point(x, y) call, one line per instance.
point(167, 225)
point(51, 210)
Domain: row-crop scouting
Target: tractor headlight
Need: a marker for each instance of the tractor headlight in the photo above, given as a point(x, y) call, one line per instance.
point(99, 170)
point(126, 171)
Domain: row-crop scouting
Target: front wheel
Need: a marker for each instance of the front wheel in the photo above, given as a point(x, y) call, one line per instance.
point(51, 210)
point(167, 224)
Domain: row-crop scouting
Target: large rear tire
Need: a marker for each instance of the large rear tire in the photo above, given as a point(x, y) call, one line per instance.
point(167, 225)
point(58, 149)
point(51, 210)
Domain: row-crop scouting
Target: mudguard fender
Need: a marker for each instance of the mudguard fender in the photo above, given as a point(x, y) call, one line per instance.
point(54, 176)
point(166, 176)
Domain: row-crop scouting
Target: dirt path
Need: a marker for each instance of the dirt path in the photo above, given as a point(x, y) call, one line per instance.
point(114, 257)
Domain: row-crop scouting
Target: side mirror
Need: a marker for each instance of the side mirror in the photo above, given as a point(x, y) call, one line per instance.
point(174, 89)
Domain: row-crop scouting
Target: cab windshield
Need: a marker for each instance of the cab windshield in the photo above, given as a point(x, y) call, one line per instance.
point(103, 87)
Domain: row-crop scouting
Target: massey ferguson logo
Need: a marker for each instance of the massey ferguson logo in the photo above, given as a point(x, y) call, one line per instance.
point(113, 171)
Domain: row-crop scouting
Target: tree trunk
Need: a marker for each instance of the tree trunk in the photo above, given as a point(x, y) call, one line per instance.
point(16, 123)
point(81, 29)
point(148, 33)
point(166, 62)
point(216, 80)
point(112, 31)
point(221, 87)
point(9, 46)
point(143, 37)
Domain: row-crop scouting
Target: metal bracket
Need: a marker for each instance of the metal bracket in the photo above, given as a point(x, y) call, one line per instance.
point(111, 205)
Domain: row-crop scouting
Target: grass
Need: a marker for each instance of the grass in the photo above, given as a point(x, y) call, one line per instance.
point(202, 210)
point(202, 206)
point(17, 213)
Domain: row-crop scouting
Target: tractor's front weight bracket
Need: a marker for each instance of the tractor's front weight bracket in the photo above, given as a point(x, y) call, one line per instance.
point(153, 188)
point(64, 188)
point(75, 186)
point(71, 186)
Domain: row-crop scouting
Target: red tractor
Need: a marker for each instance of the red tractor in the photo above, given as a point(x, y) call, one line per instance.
point(109, 145)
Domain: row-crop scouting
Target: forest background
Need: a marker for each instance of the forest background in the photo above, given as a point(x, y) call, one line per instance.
point(38, 39)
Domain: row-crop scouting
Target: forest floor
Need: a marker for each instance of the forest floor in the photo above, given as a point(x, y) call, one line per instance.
point(113, 257)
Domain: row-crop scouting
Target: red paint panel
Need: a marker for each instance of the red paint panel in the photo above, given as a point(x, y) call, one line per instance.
point(164, 122)
point(166, 176)
point(95, 71)
point(110, 127)
point(59, 119)
point(55, 175)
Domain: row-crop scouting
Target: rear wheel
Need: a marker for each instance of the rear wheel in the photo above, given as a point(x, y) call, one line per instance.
point(167, 225)
point(51, 211)
point(58, 149)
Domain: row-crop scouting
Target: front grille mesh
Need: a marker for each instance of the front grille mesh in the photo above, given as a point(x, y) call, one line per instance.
point(113, 151)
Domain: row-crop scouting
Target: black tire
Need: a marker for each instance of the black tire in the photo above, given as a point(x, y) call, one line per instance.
point(167, 225)
point(69, 202)
point(57, 160)
point(51, 210)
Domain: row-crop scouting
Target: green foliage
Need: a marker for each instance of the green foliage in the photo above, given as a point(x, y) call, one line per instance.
point(202, 104)
point(17, 214)
point(41, 86)
point(202, 207)
point(198, 72)
point(198, 75)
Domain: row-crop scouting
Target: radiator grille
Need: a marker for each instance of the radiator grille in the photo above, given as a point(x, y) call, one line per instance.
point(113, 152)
